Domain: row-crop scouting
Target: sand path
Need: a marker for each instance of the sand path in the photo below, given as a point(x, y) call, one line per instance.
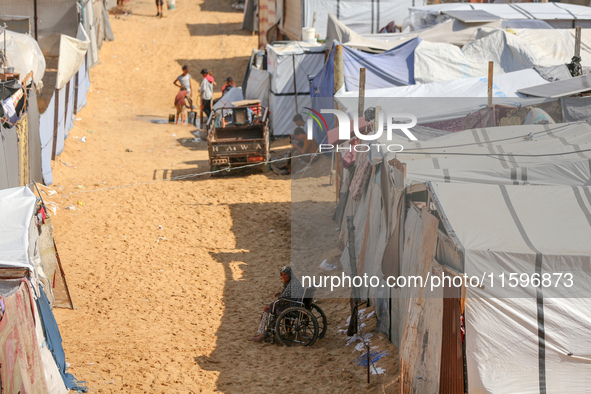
point(172, 309)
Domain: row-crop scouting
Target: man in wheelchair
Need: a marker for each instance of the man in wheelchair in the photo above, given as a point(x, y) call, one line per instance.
point(293, 319)
point(292, 291)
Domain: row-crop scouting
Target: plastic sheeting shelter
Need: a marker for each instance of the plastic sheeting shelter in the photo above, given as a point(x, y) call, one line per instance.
point(451, 32)
point(509, 199)
point(23, 53)
point(17, 206)
point(540, 340)
point(558, 15)
point(428, 101)
point(361, 16)
point(291, 65)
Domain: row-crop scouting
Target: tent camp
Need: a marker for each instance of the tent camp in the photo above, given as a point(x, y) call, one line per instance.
point(69, 37)
point(492, 200)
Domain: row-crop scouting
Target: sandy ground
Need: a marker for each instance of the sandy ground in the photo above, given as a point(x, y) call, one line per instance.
point(169, 277)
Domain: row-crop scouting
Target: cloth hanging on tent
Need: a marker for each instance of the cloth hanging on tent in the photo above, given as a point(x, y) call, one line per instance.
point(54, 343)
point(360, 177)
point(22, 367)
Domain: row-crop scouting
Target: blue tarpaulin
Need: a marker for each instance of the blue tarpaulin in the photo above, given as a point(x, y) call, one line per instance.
point(54, 343)
point(391, 68)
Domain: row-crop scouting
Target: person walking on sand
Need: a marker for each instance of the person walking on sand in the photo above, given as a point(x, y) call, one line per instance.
point(159, 6)
point(206, 91)
point(182, 101)
point(184, 80)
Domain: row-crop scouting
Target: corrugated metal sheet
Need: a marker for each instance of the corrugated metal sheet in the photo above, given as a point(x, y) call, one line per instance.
point(452, 360)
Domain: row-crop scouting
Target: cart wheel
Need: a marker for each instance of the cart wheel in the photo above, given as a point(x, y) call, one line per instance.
point(296, 326)
point(215, 168)
point(321, 317)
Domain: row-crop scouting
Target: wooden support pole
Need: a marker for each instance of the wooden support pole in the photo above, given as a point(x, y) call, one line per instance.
point(36, 20)
point(339, 81)
point(76, 82)
point(56, 115)
point(295, 84)
point(490, 83)
point(354, 300)
point(361, 92)
point(578, 41)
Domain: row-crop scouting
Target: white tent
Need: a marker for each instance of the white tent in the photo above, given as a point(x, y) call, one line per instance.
point(291, 65)
point(510, 51)
point(446, 100)
point(23, 53)
point(558, 15)
point(17, 206)
point(524, 339)
point(362, 16)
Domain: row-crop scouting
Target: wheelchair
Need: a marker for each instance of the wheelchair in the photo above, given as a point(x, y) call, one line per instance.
point(301, 324)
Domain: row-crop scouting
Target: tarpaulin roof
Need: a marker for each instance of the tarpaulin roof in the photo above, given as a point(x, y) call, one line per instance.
point(394, 67)
point(550, 154)
point(23, 53)
point(17, 206)
point(363, 16)
point(451, 31)
point(542, 11)
point(468, 95)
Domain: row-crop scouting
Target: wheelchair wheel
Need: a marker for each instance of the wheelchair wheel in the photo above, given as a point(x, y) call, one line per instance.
point(296, 326)
point(321, 317)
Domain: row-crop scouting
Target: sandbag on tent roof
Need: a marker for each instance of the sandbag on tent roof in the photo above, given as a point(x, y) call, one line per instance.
point(558, 15)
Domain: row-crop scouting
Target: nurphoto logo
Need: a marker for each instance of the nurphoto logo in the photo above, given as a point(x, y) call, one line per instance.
point(392, 122)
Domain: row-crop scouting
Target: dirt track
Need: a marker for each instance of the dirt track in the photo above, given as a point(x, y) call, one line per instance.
point(173, 309)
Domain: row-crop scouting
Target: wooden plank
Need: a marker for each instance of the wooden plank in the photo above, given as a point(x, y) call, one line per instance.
point(55, 123)
point(490, 83)
point(361, 103)
point(22, 131)
point(76, 82)
point(13, 273)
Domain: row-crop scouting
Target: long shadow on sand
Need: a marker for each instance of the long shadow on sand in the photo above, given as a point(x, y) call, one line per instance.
point(252, 277)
